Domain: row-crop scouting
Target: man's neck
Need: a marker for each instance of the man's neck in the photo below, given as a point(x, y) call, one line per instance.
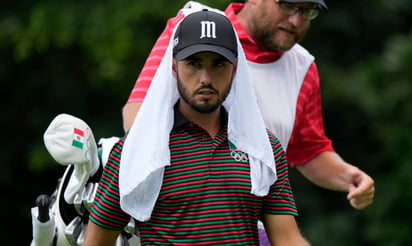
point(242, 17)
point(211, 122)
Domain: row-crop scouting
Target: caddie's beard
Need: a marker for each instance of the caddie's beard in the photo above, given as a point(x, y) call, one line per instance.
point(268, 39)
point(205, 107)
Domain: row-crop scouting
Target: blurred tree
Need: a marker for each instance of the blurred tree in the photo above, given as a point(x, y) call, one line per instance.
point(82, 58)
point(367, 110)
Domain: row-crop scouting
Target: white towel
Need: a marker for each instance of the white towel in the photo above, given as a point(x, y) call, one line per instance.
point(146, 149)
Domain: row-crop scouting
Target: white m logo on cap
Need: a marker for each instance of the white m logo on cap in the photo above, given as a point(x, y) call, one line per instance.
point(208, 29)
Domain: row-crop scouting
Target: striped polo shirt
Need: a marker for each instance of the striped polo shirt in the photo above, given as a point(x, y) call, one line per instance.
point(206, 195)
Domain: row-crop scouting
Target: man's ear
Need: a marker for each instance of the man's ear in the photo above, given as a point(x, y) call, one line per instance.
point(235, 67)
point(174, 67)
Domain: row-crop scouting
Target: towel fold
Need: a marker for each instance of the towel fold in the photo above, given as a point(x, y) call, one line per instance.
point(146, 150)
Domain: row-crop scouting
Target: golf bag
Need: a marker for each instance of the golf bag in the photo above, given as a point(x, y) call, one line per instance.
point(61, 218)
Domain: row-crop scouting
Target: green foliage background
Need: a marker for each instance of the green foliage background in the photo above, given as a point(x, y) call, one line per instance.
point(82, 58)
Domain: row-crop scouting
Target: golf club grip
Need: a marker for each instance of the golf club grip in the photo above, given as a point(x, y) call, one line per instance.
point(43, 203)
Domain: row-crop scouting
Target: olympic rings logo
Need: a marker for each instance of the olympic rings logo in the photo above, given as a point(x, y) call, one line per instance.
point(87, 152)
point(239, 156)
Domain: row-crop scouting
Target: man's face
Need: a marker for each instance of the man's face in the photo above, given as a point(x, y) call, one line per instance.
point(203, 80)
point(272, 30)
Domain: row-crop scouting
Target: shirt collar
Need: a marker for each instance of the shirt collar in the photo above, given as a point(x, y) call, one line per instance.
point(180, 119)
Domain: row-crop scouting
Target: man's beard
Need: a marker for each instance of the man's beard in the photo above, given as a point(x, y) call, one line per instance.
point(206, 107)
point(265, 39)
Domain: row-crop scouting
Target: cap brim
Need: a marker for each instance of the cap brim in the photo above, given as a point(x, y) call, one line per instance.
point(191, 50)
point(320, 2)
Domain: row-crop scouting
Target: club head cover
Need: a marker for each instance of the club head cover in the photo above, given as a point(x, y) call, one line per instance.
point(70, 141)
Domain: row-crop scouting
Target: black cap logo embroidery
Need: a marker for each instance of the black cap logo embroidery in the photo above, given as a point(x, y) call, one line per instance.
point(208, 29)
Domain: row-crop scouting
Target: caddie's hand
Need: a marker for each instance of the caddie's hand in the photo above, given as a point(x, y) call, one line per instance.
point(361, 190)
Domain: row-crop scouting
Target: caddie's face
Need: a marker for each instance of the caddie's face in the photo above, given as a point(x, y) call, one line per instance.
point(204, 80)
point(272, 29)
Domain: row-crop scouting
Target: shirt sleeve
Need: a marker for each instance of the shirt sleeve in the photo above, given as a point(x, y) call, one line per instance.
point(308, 136)
point(106, 211)
point(145, 77)
point(280, 199)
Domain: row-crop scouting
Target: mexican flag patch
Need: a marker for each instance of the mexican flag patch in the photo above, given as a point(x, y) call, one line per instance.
point(78, 138)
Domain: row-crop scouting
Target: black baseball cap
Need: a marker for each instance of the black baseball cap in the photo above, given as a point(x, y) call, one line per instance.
point(320, 2)
point(205, 31)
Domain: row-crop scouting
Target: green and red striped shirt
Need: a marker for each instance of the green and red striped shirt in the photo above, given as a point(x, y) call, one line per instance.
point(205, 197)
